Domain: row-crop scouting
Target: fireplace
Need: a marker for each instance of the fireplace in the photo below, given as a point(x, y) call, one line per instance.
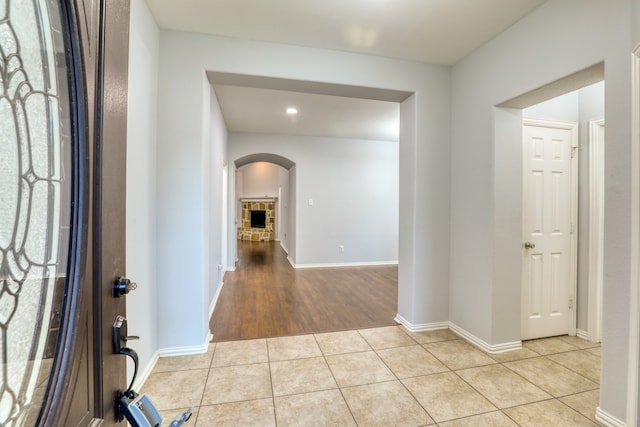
point(258, 220)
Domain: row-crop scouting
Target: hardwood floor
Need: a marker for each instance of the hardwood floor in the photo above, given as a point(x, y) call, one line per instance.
point(266, 297)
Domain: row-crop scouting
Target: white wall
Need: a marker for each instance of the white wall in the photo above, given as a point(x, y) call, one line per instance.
point(142, 309)
point(182, 287)
point(552, 42)
point(214, 161)
point(259, 179)
point(283, 209)
point(564, 108)
point(354, 188)
point(184, 59)
point(291, 215)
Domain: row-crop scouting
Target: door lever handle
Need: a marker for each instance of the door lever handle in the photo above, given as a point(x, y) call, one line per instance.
point(119, 331)
point(120, 334)
point(129, 352)
point(529, 245)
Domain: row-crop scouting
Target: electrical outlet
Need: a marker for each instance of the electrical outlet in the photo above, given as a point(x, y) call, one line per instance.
point(341, 248)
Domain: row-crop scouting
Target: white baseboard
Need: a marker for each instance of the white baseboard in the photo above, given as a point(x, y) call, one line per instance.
point(212, 307)
point(186, 350)
point(143, 375)
point(176, 351)
point(214, 301)
point(483, 345)
point(421, 327)
point(608, 420)
point(346, 264)
point(293, 264)
point(284, 248)
point(230, 269)
point(582, 334)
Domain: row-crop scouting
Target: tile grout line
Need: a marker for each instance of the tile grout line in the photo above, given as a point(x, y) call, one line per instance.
point(499, 409)
point(273, 394)
point(552, 361)
point(244, 400)
point(204, 389)
point(453, 371)
point(559, 399)
point(399, 379)
point(527, 380)
point(574, 409)
point(470, 385)
point(324, 357)
point(570, 368)
point(575, 372)
point(535, 385)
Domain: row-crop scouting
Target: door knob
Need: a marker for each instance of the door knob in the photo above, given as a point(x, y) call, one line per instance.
point(529, 245)
point(123, 286)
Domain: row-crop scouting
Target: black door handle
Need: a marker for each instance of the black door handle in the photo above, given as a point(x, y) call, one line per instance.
point(120, 337)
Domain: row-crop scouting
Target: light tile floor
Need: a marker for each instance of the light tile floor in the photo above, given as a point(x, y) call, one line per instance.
point(380, 377)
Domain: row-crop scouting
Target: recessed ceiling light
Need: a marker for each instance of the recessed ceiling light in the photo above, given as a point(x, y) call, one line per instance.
point(292, 111)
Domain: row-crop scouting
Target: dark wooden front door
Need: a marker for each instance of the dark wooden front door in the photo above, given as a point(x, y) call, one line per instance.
point(63, 97)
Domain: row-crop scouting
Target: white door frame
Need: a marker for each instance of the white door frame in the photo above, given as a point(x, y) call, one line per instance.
point(573, 274)
point(634, 292)
point(279, 235)
point(225, 218)
point(596, 228)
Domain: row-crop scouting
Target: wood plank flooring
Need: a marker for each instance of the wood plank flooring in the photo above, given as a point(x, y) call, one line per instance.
point(266, 297)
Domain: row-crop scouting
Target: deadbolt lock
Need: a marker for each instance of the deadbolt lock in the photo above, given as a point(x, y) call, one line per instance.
point(123, 286)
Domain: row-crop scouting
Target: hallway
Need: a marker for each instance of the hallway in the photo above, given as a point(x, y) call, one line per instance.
point(267, 297)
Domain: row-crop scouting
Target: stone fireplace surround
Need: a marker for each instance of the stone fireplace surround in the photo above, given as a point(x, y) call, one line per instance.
point(267, 234)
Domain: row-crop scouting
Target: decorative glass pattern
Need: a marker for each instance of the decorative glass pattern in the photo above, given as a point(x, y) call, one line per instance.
point(35, 201)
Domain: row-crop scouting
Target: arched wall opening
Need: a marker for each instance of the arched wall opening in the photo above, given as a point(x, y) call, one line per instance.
point(346, 197)
point(265, 177)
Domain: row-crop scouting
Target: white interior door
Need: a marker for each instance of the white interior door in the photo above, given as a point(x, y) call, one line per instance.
point(549, 235)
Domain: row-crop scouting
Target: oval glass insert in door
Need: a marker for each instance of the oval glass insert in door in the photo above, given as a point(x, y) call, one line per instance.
point(35, 200)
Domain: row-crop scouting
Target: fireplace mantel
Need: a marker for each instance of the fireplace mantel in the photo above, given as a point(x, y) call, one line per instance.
point(259, 199)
